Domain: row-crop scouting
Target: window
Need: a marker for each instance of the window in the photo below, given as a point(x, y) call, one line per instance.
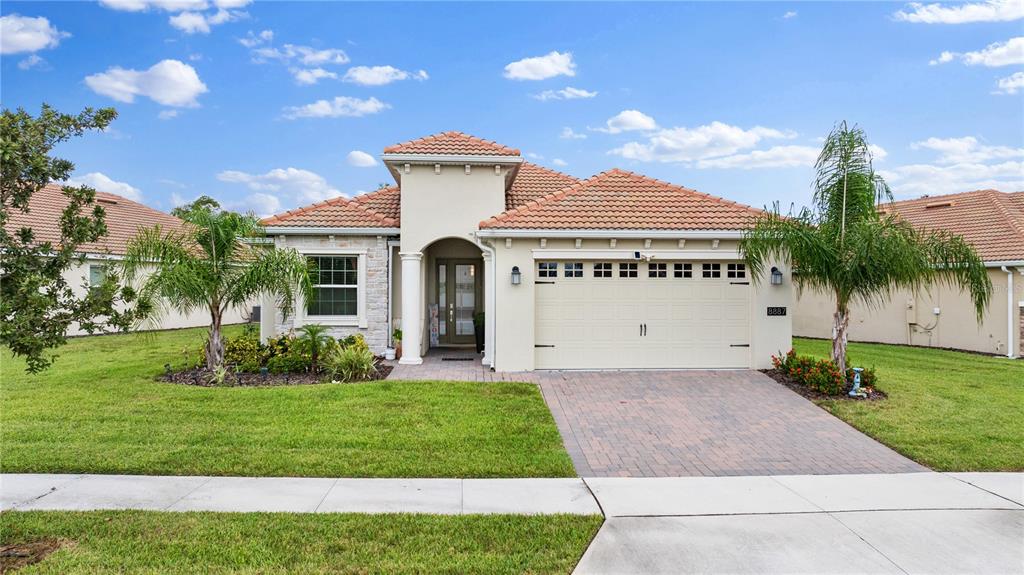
point(711, 270)
point(574, 270)
point(547, 270)
point(682, 270)
point(657, 270)
point(603, 270)
point(627, 270)
point(736, 270)
point(97, 274)
point(334, 285)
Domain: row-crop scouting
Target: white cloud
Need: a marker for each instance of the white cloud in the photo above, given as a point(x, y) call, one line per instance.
point(569, 134)
point(542, 67)
point(103, 183)
point(263, 205)
point(361, 159)
point(305, 55)
point(200, 22)
point(995, 54)
point(628, 120)
point(32, 61)
point(534, 156)
point(962, 164)
point(878, 153)
point(567, 93)
point(789, 14)
point(559, 162)
point(27, 34)
point(166, 5)
point(299, 186)
point(167, 114)
point(1011, 84)
point(307, 77)
point(380, 75)
point(774, 157)
point(169, 82)
point(714, 140)
point(989, 11)
point(252, 40)
point(340, 106)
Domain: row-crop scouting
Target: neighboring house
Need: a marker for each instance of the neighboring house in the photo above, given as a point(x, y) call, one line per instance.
point(943, 316)
point(616, 271)
point(124, 218)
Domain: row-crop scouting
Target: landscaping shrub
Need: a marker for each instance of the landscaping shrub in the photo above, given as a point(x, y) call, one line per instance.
point(352, 363)
point(355, 340)
point(820, 374)
point(245, 351)
point(293, 361)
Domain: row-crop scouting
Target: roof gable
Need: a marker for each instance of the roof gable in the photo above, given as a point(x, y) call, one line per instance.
point(337, 212)
point(452, 144)
point(622, 200)
point(124, 219)
point(990, 220)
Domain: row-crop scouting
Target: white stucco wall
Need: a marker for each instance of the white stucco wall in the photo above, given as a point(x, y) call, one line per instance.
point(909, 319)
point(373, 296)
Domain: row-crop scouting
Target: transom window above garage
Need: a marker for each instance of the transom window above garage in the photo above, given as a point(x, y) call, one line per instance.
point(547, 269)
point(682, 270)
point(603, 270)
point(657, 270)
point(711, 270)
point(627, 270)
point(736, 270)
point(574, 269)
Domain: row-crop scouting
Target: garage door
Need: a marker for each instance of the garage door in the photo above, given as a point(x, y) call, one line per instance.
point(642, 315)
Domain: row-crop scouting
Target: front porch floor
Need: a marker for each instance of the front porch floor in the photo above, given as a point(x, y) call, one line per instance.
point(454, 364)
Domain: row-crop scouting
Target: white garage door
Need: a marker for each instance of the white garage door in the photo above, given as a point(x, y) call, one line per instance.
point(639, 315)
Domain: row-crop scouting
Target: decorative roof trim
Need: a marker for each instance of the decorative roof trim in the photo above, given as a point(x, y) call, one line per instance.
point(609, 233)
point(450, 159)
point(320, 231)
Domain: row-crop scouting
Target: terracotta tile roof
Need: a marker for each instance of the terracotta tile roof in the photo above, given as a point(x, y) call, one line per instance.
point(124, 219)
point(385, 201)
point(534, 182)
point(452, 143)
point(991, 220)
point(334, 213)
point(618, 199)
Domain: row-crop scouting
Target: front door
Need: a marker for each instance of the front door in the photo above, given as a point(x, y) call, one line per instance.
point(457, 296)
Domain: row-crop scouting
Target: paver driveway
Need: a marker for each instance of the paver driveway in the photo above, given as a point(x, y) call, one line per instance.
point(685, 423)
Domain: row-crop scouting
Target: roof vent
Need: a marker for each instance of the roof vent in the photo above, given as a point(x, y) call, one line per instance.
point(944, 204)
point(107, 201)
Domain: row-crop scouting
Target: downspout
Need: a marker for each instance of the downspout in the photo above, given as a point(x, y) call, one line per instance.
point(491, 321)
point(1010, 348)
point(391, 304)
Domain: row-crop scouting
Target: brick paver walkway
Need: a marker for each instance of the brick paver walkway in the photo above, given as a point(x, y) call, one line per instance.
point(683, 423)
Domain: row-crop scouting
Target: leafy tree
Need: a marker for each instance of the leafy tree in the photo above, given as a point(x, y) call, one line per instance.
point(200, 203)
point(37, 303)
point(846, 247)
point(209, 265)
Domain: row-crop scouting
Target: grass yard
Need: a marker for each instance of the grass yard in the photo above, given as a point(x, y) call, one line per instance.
point(160, 542)
point(99, 410)
point(948, 410)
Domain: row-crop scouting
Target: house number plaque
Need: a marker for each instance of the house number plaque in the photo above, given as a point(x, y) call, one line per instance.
point(776, 311)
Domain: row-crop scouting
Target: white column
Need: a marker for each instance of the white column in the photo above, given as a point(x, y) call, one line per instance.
point(412, 308)
point(268, 316)
point(489, 306)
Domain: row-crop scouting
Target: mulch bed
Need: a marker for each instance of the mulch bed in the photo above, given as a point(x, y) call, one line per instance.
point(873, 394)
point(202, 377)
point(18, 555)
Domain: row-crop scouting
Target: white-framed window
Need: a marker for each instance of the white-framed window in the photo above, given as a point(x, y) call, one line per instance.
point(682, 270)
point(658, 270)
point(574, 269)
point(335, 286)
point(711, 270)
point(547, 269)
point(736, 270)
point(603, 270)
point(97, 274)
point(627, 270)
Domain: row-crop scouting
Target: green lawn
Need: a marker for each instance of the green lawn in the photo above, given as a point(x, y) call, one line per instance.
point(160, 542)
point(948, 410)
point(99, 410)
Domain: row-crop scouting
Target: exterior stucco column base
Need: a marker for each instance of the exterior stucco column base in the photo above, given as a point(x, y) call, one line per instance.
point(410, 360)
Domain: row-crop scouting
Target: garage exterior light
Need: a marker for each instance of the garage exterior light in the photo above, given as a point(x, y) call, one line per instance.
point(776, 276)
point(517, 276)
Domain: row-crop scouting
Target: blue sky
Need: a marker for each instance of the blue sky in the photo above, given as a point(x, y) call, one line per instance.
point(262, 104)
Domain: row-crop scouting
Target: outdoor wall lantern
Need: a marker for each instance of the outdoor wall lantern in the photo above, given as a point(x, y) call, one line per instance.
point(517, 276)
point(776, 276)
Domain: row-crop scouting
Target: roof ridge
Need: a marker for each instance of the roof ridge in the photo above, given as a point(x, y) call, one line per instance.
point(942, 196)
point(366, 195)
point(1013, 219)
point(304, 209)
point(552, 170)
point(525, 208)
point(500, 149)
point(681, 188)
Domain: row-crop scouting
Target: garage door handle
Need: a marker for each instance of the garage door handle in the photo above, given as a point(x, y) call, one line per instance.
point(539, 345)
point(740, 345)
point(540, 282)
point(739, 283)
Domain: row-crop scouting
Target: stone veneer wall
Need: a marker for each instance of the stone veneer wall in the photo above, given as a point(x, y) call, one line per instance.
point(376, 290)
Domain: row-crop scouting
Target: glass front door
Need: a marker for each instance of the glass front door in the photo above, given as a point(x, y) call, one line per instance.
point(457, 289)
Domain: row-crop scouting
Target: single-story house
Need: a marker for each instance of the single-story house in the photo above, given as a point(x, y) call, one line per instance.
point(993, 222)
point(618, 271)
point(124, 219)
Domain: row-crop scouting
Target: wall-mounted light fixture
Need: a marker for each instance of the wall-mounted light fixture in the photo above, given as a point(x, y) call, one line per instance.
point(517, 276)
point(776, 276)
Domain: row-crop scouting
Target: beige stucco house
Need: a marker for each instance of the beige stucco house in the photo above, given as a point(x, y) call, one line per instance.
point(618, 271)
point(993, 222)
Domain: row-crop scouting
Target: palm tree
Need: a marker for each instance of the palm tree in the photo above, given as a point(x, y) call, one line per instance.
point(317, 340)
point(209, 265)
point(846, 247)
